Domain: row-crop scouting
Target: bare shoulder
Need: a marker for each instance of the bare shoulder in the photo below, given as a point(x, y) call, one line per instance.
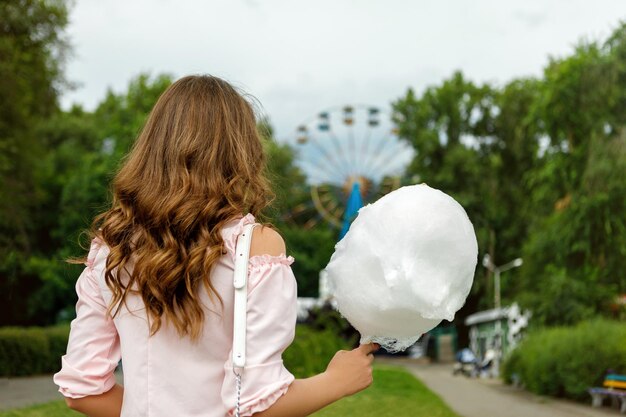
point(266, 241)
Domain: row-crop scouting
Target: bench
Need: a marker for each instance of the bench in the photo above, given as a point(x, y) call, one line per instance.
point(614, 387)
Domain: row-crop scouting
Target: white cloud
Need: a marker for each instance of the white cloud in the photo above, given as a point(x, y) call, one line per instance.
point(300, 57)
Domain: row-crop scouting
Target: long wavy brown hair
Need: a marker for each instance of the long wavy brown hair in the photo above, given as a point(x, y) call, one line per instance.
point(197, 163)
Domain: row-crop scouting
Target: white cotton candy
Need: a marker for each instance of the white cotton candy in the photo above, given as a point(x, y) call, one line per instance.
point(406, 264)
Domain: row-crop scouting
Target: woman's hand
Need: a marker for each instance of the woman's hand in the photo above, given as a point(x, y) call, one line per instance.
point(351, 370)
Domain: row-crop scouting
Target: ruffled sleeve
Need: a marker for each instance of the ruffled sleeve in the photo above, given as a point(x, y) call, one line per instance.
point(232, 232)
point(271, 322)
point(93, 350)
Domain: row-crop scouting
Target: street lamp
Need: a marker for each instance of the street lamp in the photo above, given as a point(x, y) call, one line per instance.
point(487, 263)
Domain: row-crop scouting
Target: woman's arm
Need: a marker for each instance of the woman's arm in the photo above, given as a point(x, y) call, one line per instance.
point(304, 397)
point(348, 373)
point(108, 404)
point(93, 350)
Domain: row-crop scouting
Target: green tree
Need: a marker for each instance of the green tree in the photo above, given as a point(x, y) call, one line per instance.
point(539, 166)
point(120, 117)
point(476, 143)
point(576, 246)
point(32, 52)
point(576, 255)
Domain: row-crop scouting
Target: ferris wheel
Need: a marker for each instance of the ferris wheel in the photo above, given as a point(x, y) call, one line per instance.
point(351, 155)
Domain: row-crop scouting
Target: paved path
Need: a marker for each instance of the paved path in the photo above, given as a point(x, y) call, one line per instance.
point(24, 391)
point(490, 398)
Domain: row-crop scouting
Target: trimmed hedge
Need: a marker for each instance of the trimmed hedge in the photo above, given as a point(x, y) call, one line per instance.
point(565, 361)
point(31, 350)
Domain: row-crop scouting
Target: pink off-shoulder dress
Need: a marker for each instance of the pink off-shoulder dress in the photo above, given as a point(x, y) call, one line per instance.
point(166, 375)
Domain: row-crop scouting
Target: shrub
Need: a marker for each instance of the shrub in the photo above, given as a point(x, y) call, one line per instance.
point(311, 351)
point(510, 366)
point(57, 345)
point(565, 361)
point(32, 350)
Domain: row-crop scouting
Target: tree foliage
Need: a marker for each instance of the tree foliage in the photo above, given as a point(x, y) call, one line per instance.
point(539, 165)
point(32, 52)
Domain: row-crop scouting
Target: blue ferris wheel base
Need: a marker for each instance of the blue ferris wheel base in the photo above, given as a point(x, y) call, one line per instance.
point(355, 202)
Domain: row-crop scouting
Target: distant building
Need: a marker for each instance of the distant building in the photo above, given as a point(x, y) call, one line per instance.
point(498, 329)
point(442, 343)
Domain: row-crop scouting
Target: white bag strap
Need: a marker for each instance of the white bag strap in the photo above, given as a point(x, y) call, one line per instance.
point(240, 281)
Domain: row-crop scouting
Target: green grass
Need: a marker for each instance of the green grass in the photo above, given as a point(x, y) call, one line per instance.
point(394, 393)
point(52, 409)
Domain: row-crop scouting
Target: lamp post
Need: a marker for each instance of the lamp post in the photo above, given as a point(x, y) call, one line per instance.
point(488, 263)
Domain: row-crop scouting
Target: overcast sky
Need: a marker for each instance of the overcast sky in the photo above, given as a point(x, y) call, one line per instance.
point(299, 58)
